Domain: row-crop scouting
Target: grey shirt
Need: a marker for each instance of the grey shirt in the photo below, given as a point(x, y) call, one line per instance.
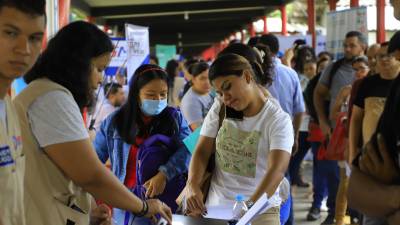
point(195, 107)
point(344, 76)
point(55, 118)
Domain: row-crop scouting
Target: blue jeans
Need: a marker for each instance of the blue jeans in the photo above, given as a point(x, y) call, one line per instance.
point(286, 213)
point(325, 180)
point(295, 161)
point(285, 210)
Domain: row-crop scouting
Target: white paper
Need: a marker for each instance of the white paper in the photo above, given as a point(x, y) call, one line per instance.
point(259, 206)
point(219, 212)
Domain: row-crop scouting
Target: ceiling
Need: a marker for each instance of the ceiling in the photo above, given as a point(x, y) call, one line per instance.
point(191, 25)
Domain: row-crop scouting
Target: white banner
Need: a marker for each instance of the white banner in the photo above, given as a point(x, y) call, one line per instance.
point(286, 42)
point(119, 58)
point(137, 38)
point(341, 22)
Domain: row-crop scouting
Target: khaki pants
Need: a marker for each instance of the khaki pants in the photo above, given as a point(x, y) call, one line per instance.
point(341, 198)
point(271, 217)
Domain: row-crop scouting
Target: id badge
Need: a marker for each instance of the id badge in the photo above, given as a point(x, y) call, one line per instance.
point(5, 156)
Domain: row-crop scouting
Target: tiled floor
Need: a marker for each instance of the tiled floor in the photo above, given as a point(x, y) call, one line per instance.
point(303, 199)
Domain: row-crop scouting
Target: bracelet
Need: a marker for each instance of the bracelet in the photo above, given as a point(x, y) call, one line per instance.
point(144, 211)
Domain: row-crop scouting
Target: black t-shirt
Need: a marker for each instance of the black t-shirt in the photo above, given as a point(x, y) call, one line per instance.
point(372, 86)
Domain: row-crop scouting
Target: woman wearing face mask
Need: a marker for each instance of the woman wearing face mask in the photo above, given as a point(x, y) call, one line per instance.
point(62, 168)
point(144, 115)
point(198, 100)
point(252, 150)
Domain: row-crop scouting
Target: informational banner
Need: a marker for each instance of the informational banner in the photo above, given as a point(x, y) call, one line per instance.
point(119, 58)
point(341, 22)
point(137, 40)
point(286, 42)
point(165, 53)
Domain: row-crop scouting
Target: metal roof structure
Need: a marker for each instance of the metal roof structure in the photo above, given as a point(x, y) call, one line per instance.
point(192, 25)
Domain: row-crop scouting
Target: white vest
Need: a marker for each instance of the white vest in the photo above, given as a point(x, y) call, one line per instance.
point(51, 198)
point(12, 169)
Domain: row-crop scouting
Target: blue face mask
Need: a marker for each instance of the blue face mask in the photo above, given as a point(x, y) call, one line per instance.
point(153, 107)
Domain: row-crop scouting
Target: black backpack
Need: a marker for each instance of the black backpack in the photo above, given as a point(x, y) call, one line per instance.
point(308, 93)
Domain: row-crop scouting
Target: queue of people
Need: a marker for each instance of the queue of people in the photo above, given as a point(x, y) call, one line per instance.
point(257, 117)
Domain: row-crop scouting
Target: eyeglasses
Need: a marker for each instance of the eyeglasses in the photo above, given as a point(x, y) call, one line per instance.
point(384, 56)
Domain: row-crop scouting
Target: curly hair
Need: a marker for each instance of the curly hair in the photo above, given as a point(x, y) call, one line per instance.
point(67, 59)
point(260, 59)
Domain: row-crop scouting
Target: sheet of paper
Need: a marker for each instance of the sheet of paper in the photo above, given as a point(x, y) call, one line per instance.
point(219, 212)
point(259, 206)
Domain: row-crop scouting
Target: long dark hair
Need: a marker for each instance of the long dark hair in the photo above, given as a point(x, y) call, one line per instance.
point(128, 119)
point(197, 68)
point(67, 59)
point(171, 67)
point(303, 54)
point(262, 65)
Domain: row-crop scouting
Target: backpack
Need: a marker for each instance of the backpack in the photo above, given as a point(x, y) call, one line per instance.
point(154, 152)
point(309, 91)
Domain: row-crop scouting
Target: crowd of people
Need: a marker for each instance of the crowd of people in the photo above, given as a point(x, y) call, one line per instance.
point(256, 116)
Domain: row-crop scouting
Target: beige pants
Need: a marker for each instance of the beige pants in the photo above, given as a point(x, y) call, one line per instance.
point(271, 217)
point(341, 198)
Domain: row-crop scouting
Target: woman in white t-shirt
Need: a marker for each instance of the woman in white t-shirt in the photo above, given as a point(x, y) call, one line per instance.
point(253, 145)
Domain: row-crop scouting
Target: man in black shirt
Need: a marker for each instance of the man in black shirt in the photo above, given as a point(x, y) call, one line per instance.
point(370, 99)
point(371, 186)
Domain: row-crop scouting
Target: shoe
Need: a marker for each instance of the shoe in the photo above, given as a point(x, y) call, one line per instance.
point(330, 220)
point(302, 184)
point(314, 214)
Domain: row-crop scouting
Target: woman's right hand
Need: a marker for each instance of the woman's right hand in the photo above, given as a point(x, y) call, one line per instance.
point(158, 207)
point(194, 202)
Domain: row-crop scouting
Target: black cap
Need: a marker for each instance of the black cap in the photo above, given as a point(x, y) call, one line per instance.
point(394, 43)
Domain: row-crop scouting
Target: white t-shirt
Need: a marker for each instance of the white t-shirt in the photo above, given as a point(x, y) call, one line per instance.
point(242, 150)
point(3, 111)
point(55, 118)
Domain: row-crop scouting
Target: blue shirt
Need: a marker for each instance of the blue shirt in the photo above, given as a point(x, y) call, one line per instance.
point(286, 89)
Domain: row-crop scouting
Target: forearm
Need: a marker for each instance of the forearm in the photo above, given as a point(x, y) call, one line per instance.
point(197, 168)
point(278, 161)
point(320, 109)
point(110, 190)
point(177, 163)
point(298, 118)
point(269, 184)
point(378, 200)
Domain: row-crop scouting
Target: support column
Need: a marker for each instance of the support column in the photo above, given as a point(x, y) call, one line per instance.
point(354, 3)
point(284, 20)
point(252, 31)
point(265, 25)
point(380, 30)
point(241, 36)
point(52, 18)
point(311, 21)
point(332, 5)
point(63, 12)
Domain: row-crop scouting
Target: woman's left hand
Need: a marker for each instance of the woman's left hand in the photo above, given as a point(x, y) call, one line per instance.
point(156, 185)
